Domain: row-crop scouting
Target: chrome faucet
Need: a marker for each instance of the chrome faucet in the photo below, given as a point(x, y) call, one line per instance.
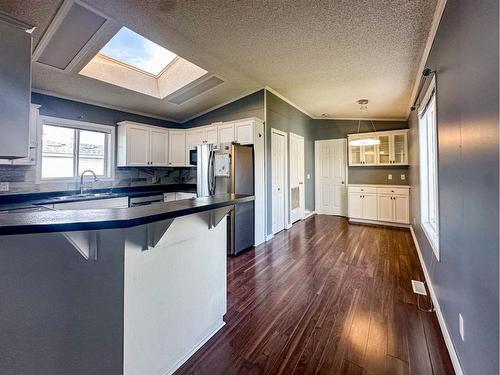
point(81, 179)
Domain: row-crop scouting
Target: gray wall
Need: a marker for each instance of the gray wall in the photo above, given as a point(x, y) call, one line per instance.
point(333, 129)
point(249, 106)
point(282, 116)
point(465, 54)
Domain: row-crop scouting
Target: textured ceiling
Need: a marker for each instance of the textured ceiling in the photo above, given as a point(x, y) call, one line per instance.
point(321, 55)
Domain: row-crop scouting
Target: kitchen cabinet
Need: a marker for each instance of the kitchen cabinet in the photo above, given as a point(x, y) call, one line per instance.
point(225, 133)
point(15, 83)
point(31, 159)
point(181, 195)
point(387, 204)
point(177, 148)
point(392, 149)
point(121, 202)
point(244, 132)
point(197, 136)
point(141, 145)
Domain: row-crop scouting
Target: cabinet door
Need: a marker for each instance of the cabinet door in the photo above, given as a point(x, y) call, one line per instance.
point(355, 205)
point(225, 133)
point(244, 133)
point(368, 155)
point(401, 209)
point(137, 146)
point(385, 207)
point(121, 202)
point(211, 134)
point(168, 197)
point(370, 209)
point(400, 149)
point(180, 196)
point(33, 139)
point(177, 148)
point(158, 147)
point(355, 155)
point(384, 150)
point(194, 138)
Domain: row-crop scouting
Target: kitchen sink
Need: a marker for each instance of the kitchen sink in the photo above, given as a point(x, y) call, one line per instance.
point(83, 196)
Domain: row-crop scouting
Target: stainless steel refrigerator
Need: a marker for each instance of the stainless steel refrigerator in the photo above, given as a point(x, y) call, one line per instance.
point(230, 169)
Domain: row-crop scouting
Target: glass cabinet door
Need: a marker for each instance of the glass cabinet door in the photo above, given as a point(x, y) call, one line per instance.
point(355, 155)
point(384, 150)
point(369, 154)
point(400, 148)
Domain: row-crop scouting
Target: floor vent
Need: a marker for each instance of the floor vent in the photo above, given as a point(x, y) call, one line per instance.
point(418, 287)
point(183, 96)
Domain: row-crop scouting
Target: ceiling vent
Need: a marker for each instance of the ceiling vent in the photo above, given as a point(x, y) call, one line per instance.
point(73, 34)
point(185, 94)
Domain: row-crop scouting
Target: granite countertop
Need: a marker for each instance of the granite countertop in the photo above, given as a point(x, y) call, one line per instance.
point(43, 220)
point(24, 201)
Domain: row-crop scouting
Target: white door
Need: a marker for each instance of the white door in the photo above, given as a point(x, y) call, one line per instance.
point(330, 171)
point(158, 147)
point(297, 193)
point(278, 172)
point(401, 208)
point(177, 148)
point(370, 206)
point(225, 133)
point(137, 146)
point(385, 207)
point(211, 135)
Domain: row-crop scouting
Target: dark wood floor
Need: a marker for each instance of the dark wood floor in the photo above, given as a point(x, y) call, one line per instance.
point(325, 297)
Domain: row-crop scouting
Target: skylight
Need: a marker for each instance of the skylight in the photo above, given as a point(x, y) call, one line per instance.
point(133, 49)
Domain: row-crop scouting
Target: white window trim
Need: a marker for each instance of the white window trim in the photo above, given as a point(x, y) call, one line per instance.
point(430, 232)
point(56, 121)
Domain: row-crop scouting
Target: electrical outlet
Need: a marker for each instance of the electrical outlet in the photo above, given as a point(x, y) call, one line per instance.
point(4, 186)
point(308, 176)
point(403, 177)
point(461, 326)
point(389, 176)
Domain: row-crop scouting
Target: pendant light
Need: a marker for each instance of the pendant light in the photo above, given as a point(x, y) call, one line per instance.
point(369, 140)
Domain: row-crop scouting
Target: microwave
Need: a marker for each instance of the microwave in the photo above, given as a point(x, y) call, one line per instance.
point(193, 156)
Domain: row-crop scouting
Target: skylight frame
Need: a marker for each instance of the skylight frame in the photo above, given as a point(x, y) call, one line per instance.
point(129, 66)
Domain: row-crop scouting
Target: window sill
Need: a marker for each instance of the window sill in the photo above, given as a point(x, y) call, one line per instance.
point(433, 238)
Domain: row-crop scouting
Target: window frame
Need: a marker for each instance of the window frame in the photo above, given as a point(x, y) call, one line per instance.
point(429, 167)
point(78, 125)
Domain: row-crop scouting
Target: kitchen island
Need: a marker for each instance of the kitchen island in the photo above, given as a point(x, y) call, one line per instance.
point(112, 291)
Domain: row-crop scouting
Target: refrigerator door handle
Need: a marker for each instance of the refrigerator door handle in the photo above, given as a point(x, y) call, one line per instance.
point(211, 173)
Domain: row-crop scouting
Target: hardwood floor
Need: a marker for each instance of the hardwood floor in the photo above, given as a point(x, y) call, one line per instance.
point(325, 297)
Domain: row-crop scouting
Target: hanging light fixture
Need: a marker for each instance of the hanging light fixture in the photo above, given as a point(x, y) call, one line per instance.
point(369, 140)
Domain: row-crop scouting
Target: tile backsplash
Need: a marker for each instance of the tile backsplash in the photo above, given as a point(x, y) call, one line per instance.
point(22, 179)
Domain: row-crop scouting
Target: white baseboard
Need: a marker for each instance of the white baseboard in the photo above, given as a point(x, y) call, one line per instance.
point(269, 237)
point(442, 324)
point(308, 214)
point(377, 222)
point(181, 361)
point(288, 226)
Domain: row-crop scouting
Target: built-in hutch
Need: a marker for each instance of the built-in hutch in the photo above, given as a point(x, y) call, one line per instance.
point(392, 149)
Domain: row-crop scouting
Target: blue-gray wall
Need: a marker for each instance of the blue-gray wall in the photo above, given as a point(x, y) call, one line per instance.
point(74, 110)
point(465, 54)
point(334, 129)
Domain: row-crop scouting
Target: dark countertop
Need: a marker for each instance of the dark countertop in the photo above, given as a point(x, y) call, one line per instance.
point(21, 201)
point(44, 221)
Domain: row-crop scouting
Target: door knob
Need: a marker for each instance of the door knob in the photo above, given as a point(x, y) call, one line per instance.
point(342, 182)
point(301, 183)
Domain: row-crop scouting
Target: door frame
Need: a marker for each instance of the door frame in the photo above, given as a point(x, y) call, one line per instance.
point(346, 167)
point(286, 209)
point(303, 197)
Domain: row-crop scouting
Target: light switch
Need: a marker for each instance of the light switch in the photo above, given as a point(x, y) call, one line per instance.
point(308, 176)
point(389, 176)
point(4, 186)
point(403, 177)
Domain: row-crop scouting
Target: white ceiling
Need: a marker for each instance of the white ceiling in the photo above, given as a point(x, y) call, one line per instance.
point(321, 55)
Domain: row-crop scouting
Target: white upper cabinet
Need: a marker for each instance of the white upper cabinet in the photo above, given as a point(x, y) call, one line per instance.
point(225, 133)
point(392, 149)
point(244, 132)
point(177, 148)
point(211, 134)
point(141, 145)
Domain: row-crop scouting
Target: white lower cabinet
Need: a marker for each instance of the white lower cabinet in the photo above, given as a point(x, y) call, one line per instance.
point(387, 204)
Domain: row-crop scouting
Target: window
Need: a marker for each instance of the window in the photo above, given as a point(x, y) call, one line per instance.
point(428, 140)
point(133, 49)
point(71, 147)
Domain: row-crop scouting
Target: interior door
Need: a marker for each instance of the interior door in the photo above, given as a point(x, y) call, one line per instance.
point(330, 169)
point(158, 147)
point(297, 193)
point(278, 155)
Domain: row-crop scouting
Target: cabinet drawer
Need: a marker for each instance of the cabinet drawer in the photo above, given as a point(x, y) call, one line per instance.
point(393, 191)
point(362, 189)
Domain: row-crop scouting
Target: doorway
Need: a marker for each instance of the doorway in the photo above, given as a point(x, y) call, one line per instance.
point(297, 192)
point(279, 180)
point(330, 172)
